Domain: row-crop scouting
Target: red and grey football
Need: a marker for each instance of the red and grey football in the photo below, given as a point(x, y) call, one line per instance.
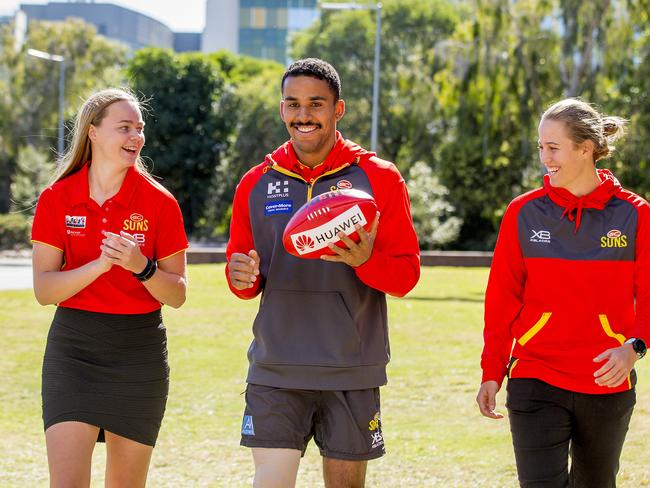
point(318, 222)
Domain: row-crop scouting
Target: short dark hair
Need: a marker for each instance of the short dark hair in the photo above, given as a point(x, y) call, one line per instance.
point(316, 68)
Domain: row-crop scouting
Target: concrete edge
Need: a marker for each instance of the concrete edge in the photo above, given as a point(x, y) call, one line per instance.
point(427, 258)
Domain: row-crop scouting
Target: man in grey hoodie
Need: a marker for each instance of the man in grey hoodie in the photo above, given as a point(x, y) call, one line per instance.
point(320, 344)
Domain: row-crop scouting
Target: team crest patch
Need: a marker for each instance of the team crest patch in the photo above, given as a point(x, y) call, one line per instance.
point(75, 221)
point(343, 185)
point(614, 238)
point(247, 425)
point(135, 223)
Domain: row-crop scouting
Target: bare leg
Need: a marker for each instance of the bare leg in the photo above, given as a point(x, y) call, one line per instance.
point(275, 468)
point(69, 453)
point(339, 473)
point(127, 462)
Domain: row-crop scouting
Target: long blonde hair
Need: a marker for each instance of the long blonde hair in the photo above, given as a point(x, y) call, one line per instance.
point(584, 122)
point(92, 112)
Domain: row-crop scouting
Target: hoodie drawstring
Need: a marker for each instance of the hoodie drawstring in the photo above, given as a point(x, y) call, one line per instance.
point(576, 205)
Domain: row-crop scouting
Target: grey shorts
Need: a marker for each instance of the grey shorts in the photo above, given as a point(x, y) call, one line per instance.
point(344, 424)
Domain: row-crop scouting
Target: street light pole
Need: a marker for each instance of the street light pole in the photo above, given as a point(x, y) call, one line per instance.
point(375, 85)
point(57, 59)
point(374, 131)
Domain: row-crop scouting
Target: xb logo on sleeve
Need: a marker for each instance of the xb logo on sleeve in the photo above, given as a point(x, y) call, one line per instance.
point(277, 189)
point(541, 236)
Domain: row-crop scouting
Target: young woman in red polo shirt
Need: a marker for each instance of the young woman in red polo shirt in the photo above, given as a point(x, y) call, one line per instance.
point(109, 250)
point(567, 307)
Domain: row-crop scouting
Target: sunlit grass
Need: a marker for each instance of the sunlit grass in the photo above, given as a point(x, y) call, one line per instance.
point(434, 434)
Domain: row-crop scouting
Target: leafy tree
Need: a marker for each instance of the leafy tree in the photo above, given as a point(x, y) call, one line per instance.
point(432, 214)
point(625, 91)
point(499, 66)
point(191, 125)
point(408, 104)
point(29, 86)
point(34, 170)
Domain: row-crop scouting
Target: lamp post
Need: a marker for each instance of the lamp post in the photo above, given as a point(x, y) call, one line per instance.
point(57, 59)
point(374, 131)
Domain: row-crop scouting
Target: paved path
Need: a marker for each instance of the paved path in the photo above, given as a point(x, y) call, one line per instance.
point(15, 274)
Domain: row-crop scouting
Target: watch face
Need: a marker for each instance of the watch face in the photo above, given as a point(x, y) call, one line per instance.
point(639, 347)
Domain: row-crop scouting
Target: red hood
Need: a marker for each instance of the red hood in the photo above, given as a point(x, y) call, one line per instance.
point(597, 199)
point(343, 152)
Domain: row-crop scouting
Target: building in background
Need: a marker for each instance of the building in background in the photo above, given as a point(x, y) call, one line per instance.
point(132, 28)
point(259, 28)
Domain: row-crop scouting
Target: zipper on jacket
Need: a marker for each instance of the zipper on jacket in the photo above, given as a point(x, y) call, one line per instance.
point(312, 181)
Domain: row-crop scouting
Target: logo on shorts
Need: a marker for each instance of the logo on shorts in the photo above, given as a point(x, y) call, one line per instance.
point(247, 425)
point(75, 221)
point(377, 440)
point(375, 423)
point(374, 426)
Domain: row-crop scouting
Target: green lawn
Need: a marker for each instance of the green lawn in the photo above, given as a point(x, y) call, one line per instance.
point(434, 434)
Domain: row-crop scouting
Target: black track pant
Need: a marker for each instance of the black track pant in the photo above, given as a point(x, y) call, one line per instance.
point(549, 423)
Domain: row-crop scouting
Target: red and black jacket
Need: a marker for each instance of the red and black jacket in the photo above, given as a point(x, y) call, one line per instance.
point(570, 278)
point(322, 325)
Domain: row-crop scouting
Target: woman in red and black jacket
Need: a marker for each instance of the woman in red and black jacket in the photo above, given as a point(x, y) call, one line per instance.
point(567, 307)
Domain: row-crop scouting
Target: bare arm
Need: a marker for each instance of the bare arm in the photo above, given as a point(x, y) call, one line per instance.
point(168, 285)
point(51, 285)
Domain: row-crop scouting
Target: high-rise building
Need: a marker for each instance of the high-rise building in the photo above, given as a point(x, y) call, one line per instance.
point(258, 28)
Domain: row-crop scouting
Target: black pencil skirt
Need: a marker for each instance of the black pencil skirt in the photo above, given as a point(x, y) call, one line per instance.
point(107, 370)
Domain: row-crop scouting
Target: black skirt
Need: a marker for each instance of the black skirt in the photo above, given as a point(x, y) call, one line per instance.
point(107, 370)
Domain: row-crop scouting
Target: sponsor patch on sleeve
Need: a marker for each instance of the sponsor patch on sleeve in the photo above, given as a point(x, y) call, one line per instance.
point(278, 207)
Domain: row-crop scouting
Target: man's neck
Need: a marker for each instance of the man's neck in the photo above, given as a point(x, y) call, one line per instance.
point(311, 160)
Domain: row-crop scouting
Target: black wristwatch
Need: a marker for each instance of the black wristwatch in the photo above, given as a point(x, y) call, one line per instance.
point(638, 345)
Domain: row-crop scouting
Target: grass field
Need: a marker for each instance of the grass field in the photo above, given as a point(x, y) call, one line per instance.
point(434, 434)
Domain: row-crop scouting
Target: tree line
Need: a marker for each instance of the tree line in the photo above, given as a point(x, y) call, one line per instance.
point(463, 84)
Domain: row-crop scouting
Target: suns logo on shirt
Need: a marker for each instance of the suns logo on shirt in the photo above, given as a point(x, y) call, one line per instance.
point(614, 238)
point(136, 223)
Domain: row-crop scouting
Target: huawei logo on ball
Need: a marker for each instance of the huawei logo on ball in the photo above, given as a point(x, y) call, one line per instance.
point(303, 242)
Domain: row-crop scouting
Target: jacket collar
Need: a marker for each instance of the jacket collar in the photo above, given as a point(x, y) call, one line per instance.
point(574, 205)
point(344, 152)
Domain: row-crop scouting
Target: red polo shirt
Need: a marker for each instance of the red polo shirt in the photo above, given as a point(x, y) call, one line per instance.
point(68, 219)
